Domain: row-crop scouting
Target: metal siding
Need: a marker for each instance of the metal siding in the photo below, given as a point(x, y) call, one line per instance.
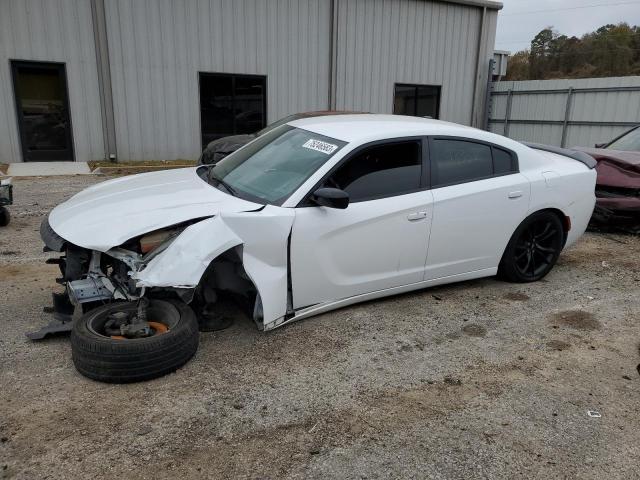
point(51, 31)
point(157, 49)
point(383, 42)
point(621, 106)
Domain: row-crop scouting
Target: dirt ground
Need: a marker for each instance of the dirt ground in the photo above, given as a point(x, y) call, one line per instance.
point(482, 379)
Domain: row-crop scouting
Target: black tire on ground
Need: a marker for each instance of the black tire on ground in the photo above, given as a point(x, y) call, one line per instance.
point(105, 359)
point(5, 217)
point(533, 249)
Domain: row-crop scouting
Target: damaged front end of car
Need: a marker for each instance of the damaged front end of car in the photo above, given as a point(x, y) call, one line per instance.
point(91, 278)
point(617, 208)
point(196, 262)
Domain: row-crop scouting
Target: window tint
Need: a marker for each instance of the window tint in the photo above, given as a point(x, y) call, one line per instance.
point(380, 171)
point(456, 161)
point(502, 162)
point(459, 161)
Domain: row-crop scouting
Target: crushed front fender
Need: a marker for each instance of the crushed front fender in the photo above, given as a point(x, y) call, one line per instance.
point(263, 236)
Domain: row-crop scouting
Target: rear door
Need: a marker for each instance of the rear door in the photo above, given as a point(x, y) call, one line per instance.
point(379, 241)
point(479, 199)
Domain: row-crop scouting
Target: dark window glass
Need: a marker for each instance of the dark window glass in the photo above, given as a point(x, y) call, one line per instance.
point(457, 161)
point(380, 171)
point(417, 100)
point(231, 105)
point(502, 162)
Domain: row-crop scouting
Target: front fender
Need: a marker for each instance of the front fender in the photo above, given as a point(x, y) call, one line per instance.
point(263, 235)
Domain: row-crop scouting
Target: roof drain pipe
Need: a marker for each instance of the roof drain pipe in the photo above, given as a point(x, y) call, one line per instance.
point(474, 106)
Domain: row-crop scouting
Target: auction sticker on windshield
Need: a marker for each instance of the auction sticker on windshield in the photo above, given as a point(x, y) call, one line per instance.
point(320, 146)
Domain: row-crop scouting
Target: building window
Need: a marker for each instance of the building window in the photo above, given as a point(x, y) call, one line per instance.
point(416, 100)
point(231, 104)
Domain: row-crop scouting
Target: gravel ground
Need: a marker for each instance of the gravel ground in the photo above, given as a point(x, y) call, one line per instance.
point(481, 379)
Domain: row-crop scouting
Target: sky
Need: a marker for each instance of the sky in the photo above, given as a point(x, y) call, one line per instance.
point(520, 20)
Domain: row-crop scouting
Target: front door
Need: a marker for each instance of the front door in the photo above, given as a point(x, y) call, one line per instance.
point(378, 242)
point(42, 108)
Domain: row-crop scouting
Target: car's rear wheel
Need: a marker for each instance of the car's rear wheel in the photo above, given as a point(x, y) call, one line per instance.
point(533, 249)
point(101, 353)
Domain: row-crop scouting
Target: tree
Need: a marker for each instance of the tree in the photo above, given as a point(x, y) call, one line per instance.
point(611, 50)
point(518, 66)
point(539, 54)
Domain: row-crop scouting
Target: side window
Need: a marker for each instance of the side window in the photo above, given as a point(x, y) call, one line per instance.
point(459, 161)
point(380, 171)
point(503, 162)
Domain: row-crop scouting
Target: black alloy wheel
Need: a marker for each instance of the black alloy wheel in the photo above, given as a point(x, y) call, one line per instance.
point(533, 249)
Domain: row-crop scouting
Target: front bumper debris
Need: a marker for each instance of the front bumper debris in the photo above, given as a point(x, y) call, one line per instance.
point(62, 321)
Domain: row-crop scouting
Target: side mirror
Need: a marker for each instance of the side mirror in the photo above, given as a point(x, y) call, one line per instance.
point(331, 198)
point(600, 145)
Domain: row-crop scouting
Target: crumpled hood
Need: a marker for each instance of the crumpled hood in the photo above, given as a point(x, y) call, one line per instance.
point(110, 213)
point(616, 168)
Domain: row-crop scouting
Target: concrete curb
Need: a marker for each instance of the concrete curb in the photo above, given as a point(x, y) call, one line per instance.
point(135, 169)
point(47, 169)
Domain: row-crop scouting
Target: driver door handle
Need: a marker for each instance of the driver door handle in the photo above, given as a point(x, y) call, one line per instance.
point(516, 194)
point(412, 217)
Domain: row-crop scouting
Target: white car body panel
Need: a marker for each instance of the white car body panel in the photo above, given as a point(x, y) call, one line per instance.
point(263, 237)
point(371, 245)
point(336, 257)
point(472, 223)
point(108, 214)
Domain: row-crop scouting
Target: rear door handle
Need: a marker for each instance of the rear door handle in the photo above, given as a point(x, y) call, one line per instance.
point(516, 194)
point(412, 217)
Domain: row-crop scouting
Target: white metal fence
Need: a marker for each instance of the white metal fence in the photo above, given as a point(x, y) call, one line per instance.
point(572, 112)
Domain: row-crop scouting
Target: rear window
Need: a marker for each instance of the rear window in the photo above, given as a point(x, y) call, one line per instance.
point(461, 161)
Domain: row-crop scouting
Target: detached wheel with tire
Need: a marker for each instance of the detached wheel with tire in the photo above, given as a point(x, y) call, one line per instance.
point(101, 353)
point(533, 249)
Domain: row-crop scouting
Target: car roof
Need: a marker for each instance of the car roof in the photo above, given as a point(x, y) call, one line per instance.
point(368, 127)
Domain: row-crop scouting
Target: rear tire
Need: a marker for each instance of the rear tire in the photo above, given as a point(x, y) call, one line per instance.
point(107, 359)
point(533, 249)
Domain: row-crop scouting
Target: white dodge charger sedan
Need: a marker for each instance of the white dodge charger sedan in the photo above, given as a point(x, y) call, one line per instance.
point(317, 214)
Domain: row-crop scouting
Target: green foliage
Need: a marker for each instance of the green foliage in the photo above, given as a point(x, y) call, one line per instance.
point(610, 51)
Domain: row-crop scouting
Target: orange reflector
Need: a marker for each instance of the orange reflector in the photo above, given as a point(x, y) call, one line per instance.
point(159, 327)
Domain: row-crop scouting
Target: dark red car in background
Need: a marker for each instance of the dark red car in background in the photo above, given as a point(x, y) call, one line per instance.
point(618, 184)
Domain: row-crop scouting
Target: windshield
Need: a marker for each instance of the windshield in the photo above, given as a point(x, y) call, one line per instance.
point(630, 142)
point(272, 167)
